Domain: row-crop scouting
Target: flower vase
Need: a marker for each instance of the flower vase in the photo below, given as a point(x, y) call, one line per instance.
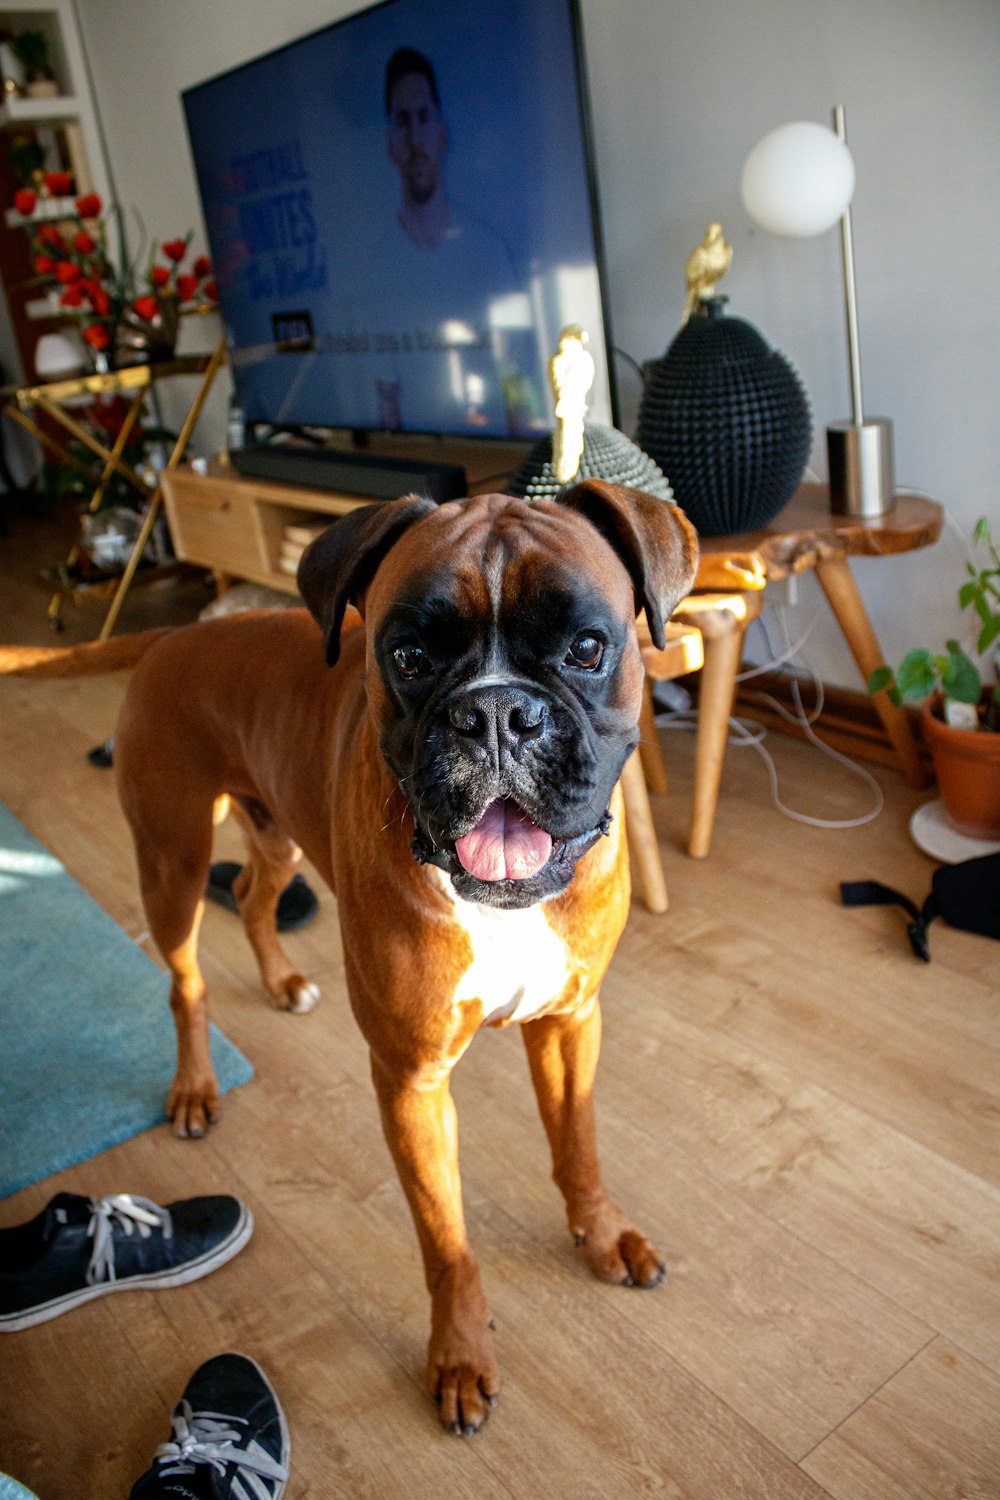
point(145, 341)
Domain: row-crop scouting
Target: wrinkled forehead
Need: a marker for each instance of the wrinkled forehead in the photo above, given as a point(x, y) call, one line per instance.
point(495, 557)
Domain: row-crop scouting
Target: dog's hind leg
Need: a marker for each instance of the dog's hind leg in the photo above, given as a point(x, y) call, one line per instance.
point(272, 858)
point(173, 850)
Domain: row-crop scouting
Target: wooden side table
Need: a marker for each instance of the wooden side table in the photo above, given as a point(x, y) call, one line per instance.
point(805, 535)
point(57, 400)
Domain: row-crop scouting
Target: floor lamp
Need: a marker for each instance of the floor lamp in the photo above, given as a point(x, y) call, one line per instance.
point(798, 181)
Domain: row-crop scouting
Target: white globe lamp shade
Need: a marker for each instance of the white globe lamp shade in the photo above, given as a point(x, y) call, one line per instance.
point(798, 180)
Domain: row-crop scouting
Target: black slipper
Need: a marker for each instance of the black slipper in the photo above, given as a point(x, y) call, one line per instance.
point(102, 755)
point(297, 903)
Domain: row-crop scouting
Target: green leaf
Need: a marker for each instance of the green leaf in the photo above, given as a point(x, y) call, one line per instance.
point(882, 679)
point(981, 532)
point(988, 634)
point(967, 593)
point(960, 678)
point(916, 677)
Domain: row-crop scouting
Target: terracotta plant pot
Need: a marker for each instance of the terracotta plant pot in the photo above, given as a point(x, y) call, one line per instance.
point(967, 766)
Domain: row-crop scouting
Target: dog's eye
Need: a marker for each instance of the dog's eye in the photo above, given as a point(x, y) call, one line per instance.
point(411, 661)
point(586, 652)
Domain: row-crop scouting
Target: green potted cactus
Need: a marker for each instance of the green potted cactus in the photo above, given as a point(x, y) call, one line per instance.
point(961, 712)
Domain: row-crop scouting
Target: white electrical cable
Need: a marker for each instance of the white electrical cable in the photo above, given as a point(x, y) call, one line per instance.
point(778, 661)
point(745, 732)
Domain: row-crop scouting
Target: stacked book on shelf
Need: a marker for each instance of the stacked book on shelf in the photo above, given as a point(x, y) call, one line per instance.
point(294, 541)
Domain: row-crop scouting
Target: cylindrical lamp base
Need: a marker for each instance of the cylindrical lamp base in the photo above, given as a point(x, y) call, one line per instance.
point(861, 477)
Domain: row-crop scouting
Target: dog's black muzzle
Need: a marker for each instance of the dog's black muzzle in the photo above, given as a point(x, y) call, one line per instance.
point(509, 741)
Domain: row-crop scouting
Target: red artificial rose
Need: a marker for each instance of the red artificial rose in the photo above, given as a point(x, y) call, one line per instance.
point(97, 335)
point(49, 235)
point(211, 291)
point(202, 267)
point(89, 206)
point(72, 296)
point(186, 287)
point(159, 275)
point(66, 271)
point(174, 249)
point(83, 242)
point(146, 307)
point(24, 201)
point(44, 264)
point(58, 183)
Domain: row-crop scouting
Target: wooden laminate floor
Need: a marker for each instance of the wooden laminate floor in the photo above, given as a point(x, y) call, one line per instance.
point(802, 1116)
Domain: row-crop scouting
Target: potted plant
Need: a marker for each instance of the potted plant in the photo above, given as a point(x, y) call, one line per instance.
point(31, 48)
point(961, 714)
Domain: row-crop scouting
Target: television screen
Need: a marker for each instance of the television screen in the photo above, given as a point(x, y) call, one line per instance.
point(402, 217)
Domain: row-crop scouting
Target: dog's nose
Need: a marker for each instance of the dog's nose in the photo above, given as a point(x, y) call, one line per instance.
point(510, 716)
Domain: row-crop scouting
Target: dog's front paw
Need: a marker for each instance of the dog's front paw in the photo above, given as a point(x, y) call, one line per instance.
point(193, 1105)
point(461, 1368)
point(617, 1252)
point(465, 1393)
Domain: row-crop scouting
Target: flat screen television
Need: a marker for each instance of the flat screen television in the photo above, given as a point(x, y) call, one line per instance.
point(402, 214)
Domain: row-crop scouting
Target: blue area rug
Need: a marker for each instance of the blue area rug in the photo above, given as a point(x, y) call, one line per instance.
point(10, 1489)
point(87, 1040)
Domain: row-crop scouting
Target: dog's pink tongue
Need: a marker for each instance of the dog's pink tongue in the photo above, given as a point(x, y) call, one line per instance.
point(504, 845)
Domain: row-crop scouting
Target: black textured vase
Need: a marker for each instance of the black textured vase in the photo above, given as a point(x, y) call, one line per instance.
point(607, 454)
point(727, 418)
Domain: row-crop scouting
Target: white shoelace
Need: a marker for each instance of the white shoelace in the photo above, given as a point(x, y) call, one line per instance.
point(123, 1211)
point(207, 1437)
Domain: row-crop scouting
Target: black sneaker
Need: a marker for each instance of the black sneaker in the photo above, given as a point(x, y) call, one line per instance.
point(229, 1439)
point(80, 1248)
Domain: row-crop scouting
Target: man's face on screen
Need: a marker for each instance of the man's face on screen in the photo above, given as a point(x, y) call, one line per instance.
point(417, 138)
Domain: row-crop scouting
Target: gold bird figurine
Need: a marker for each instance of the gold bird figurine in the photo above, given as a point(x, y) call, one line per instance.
point(704, 267)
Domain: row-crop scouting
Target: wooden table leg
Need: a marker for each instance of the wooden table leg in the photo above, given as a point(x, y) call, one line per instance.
point(837, 583)
point(641, 833)
point(722, 620)
point(716, 691)
point(649, 744)
point(156, 498)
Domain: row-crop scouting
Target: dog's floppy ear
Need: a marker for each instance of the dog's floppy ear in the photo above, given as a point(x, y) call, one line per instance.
point(653, 538)
point(340, 564)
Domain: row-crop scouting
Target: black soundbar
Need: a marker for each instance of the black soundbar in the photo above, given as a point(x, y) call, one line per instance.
point(371, 474)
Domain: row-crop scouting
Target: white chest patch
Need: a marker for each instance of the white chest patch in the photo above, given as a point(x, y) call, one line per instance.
point(519, 964)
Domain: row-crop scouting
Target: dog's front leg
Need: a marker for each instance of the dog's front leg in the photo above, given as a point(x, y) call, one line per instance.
point(562, 1053)
point(419, 1120)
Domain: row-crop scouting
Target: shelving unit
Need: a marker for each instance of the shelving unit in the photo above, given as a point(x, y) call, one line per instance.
point(71, 112)
point(66, 127)
point(39, 111)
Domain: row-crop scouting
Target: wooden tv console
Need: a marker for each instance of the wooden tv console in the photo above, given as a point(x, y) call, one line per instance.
point(235, 525)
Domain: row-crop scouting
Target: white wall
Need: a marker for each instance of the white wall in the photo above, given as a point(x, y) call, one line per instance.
point(681, 89)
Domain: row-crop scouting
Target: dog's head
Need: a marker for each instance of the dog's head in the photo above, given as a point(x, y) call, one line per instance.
point(503, 671)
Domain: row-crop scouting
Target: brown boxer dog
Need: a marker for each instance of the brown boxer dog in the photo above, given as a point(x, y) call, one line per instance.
point(454, 778)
